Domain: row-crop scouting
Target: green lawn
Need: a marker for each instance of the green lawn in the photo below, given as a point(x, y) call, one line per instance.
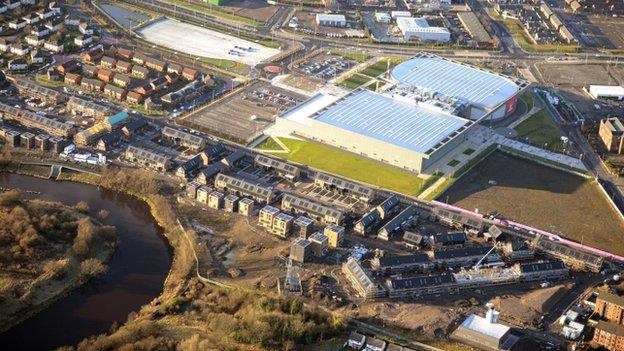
point(270, 43)
point(527, 98)
point(214, 11)
point(228, 65)
point(348, 165)
point(351, 55)
point(381, 66)
point(541, 130)
point(355, 81)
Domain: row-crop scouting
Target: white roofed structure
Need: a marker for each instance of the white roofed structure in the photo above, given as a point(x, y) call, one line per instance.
point(480, 88)
point(419, 28)
point(606, 91)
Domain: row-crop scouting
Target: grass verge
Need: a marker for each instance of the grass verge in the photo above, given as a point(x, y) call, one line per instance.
point(355, 81)
point(348, 165)
point(541, 130)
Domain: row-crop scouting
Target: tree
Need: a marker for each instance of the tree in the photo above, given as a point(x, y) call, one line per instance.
point(103, 214)
point(82, 206)
point(92, 267)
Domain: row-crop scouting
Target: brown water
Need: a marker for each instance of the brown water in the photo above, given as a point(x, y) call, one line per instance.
point(136, 272)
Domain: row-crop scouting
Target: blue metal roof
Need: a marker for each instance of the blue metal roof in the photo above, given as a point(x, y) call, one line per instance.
point(384, 118)
point(118, 118)
point(452, 79)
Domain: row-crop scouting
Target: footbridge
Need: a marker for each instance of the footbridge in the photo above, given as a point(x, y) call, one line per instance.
point(57, 168)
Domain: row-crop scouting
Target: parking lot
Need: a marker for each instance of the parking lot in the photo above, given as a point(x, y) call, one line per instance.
point(323, 66)
point(243, 116)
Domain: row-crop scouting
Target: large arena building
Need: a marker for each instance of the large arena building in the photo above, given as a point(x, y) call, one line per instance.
point(412, 124)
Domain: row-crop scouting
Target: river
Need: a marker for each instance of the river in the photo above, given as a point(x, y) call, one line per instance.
point(136, 272)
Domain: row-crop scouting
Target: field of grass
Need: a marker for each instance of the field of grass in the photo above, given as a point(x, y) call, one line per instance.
point(227, 65)
point(212, 10)
point(348, 165)
point(351, 55)
point(541, 130)
point(527, 98)
point(355, 81)
point(270, 43)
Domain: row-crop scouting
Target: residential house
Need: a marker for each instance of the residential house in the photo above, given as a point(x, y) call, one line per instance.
point(73, 78)
point(90, 84)
point(174, 68)
point(139, 58)
point(140, 71)
point(105, 75)
point(94, 55)
point(90, 71)
point(36, 57)
point(20, 49)
point(134, 127)
point(83, 40)
point(156, 65)
point(31, 19)
point(115, 92)
point(108, 62)
point(189, 74)
point(134, 98)
point(17, 24)
point(71, 20)
point(54, 45)
point(54, 25)
point(158, 83)
point(13, 4)
point(144, 90)
point(85, 29)
point(40, 31)
point(34, 40)
point(68, 66)
point(125, 53)
point(122, 80)
point(5, 45)
point(18, 65)
point(123, 66)
point(45, 13)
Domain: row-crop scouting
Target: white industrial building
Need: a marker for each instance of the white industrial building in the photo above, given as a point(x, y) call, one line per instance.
point(331, 20)
point(486, 333)
point(383, 17)
point(606, 92)
point(418, 28)
point(411, 124)
point(397, 14)
point(486, 93)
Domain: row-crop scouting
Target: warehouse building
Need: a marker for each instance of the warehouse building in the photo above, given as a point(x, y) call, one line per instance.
point(379, 126)
point(242, 187)
point(361, 281)
point(320, 212)
point(147, 158)
point(606, 92)
point(331, 20)
point(473, 26)
point(487, 94)
point(418, 28)
point(485, 333)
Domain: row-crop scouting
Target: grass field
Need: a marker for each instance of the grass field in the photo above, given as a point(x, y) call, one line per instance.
point(355, 81)
point(541, 130)
point(542, 197)
point(228, 65)
point(527, 98)
point(352, 55)
point(348, 165)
